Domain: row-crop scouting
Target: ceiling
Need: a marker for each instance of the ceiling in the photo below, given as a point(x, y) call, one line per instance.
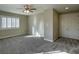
point(15, 8)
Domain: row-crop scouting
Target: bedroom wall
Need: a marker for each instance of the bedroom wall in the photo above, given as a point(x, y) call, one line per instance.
point(51, 25)
point(69, 25)
point(48, 25)
point(13, 32)
point(36, 24)
point(55, 24)
point(45, 19)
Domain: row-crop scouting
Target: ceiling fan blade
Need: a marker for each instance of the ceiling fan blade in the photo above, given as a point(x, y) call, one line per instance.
point(28, 8)
point(33, 8)
point(31, 11)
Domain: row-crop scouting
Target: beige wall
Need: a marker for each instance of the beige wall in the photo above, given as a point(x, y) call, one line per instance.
point(13, 32)
point(55, 25)
point(69, 25)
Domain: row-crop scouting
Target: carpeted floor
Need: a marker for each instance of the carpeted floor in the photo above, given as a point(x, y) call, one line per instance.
point(61, 46)
point(21, 45)
point(37, 45)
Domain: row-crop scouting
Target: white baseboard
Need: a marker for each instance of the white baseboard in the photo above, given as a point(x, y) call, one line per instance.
point(48, 40)
point(10, 36)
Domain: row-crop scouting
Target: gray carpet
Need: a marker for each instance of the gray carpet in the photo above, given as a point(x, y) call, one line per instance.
point(21, 45)
point(62, 45)
point(36, 45)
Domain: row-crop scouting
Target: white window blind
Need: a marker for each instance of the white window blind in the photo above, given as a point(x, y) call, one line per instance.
point(3, 21)
point(9, 22)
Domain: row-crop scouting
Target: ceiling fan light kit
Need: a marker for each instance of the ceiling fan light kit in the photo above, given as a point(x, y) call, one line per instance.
point(28, 9)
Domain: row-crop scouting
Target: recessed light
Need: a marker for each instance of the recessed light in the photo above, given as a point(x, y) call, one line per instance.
point(66, 8)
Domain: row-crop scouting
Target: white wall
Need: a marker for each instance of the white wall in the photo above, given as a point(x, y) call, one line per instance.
point(69, 25)
point(43, 24)
point(36, 24)
point(51, 23)
point(48, 25)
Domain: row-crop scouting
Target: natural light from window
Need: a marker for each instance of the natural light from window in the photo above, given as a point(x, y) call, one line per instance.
point(7, 22)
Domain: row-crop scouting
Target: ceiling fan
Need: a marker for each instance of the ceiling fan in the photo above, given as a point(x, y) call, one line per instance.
point(28, 9)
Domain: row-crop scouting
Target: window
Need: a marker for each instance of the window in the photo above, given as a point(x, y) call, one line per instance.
point(9, 22)
point(13, 22)
point(3, 25)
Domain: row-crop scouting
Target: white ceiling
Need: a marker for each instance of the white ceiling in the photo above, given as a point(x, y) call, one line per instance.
point(14, 8)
